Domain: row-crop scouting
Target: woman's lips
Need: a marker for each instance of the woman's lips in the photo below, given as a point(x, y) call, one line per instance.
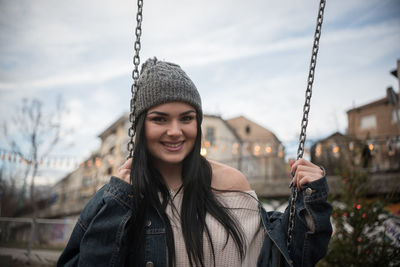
point(173, 146)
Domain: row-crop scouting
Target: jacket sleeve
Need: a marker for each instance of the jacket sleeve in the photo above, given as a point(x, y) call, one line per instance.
point(97, 234)
point(311, 233)
point(313, 228)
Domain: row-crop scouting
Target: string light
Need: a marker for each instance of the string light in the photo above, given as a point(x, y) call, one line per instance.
point(98, 162)
point(203, 151)
point(318, 150)
point(48, 162)
point(371, 147)
point(335, 149)
point(235, 148)
point(392, 145)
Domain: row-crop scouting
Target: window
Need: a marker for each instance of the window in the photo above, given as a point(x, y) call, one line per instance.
point(86, 181)
point(210, 135)
point(394, 119)
point(247, 129)
point(368, 122)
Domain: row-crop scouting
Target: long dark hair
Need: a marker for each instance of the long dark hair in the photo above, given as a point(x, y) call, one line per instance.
point(198, 200)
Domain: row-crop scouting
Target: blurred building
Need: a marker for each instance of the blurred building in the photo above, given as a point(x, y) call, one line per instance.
point(72, 193)
point(376, 124)
point(372, 140)
point(220, 141)
point(336, 152)
point(261, 151)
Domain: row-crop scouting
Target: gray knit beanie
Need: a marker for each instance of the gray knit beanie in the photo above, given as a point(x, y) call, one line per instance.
point(161, 82)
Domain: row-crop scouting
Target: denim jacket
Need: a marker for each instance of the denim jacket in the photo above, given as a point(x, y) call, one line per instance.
point(99, 237)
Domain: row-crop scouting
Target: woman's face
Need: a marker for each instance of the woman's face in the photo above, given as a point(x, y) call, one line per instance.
point(171, 131)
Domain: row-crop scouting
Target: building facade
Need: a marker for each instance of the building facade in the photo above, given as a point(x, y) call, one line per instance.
point(73, 192)
point(372, 140)
point(261, 151)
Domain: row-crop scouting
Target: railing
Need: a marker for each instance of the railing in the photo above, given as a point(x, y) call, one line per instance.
point(29, 233)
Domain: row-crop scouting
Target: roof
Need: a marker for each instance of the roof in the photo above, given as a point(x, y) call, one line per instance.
point(394, 73)
point(379, 102)
point(114, 126)
point(259, 133)
point(334, 135)
point(226, 124)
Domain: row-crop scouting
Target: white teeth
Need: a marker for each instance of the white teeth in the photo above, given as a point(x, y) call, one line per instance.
point(172, 145)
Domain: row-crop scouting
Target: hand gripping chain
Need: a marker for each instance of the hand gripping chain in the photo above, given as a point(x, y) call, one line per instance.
point(304, 121)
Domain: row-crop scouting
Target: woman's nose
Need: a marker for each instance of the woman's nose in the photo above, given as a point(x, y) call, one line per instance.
point(174, 129)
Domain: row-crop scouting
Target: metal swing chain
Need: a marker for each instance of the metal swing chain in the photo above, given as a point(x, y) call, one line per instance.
point(304, 121)
point(135, 76)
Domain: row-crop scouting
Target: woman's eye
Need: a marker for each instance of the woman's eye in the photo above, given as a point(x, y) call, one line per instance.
point(158, 119)
point(187, 118)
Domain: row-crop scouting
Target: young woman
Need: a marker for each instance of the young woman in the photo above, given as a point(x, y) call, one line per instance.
point(170, 206)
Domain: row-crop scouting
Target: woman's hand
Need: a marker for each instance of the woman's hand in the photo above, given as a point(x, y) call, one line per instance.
point(124, 172)
point(305, 172)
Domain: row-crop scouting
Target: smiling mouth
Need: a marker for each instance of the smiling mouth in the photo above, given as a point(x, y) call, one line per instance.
point(173, 146)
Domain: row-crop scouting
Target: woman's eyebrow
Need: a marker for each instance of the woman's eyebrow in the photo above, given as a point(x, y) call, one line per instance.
point(188, 112)
point(166, 114)
point(158, 113)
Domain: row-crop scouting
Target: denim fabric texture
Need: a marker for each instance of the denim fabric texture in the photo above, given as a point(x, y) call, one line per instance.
point(99, 237)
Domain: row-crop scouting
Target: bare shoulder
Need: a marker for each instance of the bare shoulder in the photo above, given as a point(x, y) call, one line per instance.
point(227, 178)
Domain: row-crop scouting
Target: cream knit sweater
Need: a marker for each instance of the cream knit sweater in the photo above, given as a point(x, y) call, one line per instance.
point(245, 209)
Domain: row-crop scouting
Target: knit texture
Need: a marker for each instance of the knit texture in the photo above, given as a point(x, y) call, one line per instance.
point(161, 82)
point(245, 210)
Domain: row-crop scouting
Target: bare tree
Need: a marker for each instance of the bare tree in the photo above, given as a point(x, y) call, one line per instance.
point(10, 189)
point(32, 134)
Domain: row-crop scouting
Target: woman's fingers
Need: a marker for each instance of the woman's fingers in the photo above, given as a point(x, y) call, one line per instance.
point(305, 172)
point(302, 162)
point(303, 177)
point(127, 164)
point(124, 172)
point(125, 175)
point(291, 162)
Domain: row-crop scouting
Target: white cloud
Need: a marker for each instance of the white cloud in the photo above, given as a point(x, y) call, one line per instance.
point(97, 74)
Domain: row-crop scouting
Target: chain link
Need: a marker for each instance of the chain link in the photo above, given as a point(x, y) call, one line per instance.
point(304, 121)
point(135, 76)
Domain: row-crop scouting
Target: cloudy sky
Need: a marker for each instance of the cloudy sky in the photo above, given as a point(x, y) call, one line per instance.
point(247, 58)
